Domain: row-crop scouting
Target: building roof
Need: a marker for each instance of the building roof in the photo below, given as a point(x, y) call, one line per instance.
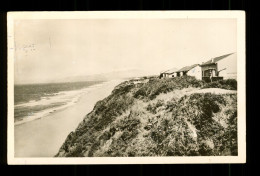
point(187, 68)
point(170, 71)
point(215, 60)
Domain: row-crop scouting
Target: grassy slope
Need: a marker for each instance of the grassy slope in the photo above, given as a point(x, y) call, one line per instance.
point(155, 117)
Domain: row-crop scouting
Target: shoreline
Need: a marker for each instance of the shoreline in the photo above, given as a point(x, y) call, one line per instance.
point(53, 110)
point(44, 136)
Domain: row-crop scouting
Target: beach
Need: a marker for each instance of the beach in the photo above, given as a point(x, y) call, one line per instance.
point(43, 137)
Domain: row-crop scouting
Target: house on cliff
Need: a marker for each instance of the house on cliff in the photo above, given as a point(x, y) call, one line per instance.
point(222, 67)
point(218, 68)
point(193, 70)
point(168, 73)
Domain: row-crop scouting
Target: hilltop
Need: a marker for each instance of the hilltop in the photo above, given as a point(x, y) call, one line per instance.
point(178, 116)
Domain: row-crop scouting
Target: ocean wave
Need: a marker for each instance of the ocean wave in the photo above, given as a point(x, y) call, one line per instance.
point(47, 104)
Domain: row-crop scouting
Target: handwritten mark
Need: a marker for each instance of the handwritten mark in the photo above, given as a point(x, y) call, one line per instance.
point(28, 47)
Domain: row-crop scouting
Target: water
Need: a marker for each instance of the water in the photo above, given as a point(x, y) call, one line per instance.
point(34, 101)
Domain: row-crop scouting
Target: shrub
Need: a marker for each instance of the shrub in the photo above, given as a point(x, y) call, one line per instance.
point(203, 104)
point(153, 107)
point(76, 151)
point(171, 105)
point(230, 84)
point(157, 136)
point(113, 107)
point(123, 89)
point(156, 86)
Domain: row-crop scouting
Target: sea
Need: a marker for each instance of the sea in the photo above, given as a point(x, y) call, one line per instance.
point(35, 101)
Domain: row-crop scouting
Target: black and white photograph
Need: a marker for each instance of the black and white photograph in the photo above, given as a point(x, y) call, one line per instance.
point(126, 87)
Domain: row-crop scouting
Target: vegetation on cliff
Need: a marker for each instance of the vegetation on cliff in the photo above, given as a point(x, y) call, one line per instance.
point(159, 117)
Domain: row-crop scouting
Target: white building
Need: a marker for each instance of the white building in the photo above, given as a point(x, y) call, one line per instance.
point(218, 68)
point(195, 71)
point(227, 67)
point(223, 66)
point(168, 73)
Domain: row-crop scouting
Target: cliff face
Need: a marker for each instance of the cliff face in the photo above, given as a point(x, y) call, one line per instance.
point(159, 117)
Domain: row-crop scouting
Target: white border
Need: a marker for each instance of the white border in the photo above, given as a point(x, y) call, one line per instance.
point(239, 15)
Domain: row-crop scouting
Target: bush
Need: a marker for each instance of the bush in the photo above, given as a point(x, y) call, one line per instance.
point(230, 84)
point(109, 110)
point(153, 107)
point(157, 86)
point(203, 105)
point(76, 151)
point(123, 89)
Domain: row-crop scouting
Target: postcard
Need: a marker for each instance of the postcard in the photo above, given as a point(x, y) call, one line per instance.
point(126, 87)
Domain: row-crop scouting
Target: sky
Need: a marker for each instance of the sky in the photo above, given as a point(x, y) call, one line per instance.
point(54, 49)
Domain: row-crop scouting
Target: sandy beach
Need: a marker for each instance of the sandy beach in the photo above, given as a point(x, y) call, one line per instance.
point(43, 137)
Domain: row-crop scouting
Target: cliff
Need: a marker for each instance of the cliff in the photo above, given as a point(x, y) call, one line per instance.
point(159, 117)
